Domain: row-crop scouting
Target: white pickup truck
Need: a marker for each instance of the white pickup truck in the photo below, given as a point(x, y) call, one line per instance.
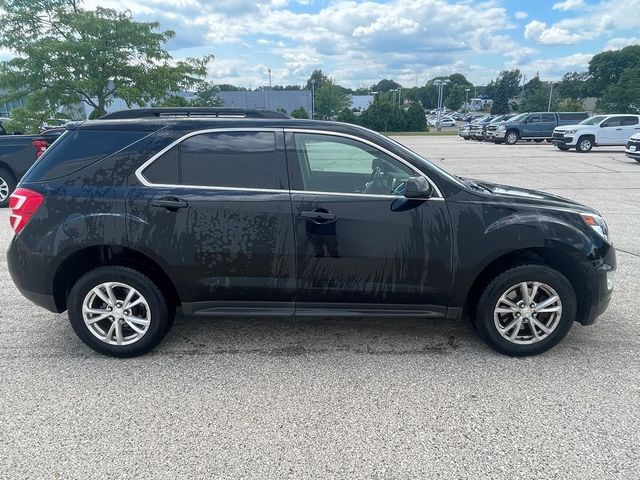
point(597, 131)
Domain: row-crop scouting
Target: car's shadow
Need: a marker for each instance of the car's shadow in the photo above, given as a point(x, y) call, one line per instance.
point(289, 337)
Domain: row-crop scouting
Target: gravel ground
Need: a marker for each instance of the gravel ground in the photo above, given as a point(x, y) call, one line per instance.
point(379, 399)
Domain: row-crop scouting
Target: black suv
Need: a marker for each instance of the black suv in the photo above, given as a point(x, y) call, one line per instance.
point(218, 212)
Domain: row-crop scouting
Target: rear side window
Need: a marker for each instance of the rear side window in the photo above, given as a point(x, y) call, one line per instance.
point(627, 121)
point(220, 159)
point(548, 117)
point(578, 116)
point(77, 149)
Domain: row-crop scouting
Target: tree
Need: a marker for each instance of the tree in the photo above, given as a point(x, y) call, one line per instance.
point(416, 118)
point(173, 100)
point(299, 113)
point(624, 96)
point(573, 85)
point(536, 98)
point(384, 86)
point(607, 68)
point(207, 95)
point(72, 54)
point(319, 77)
point(331, 99)
point(570, 105)
point(347, 116)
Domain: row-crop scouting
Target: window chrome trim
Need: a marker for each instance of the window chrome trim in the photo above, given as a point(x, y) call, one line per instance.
point(154, 157)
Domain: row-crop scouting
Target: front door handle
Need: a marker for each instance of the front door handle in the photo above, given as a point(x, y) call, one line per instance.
point(319, 216)
point(170, 203)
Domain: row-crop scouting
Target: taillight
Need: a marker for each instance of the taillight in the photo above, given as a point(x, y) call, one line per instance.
point(40, 146)
point(24, 203)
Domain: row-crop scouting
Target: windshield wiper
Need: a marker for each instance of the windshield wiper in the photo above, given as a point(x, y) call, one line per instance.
point(475, 185)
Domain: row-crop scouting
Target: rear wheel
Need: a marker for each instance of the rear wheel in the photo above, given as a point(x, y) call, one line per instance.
point(539, 140)
point(584, 145)
point(511, 138)
point(118, 311)
point(7, 186)
point(526, 310)
point(563, 148)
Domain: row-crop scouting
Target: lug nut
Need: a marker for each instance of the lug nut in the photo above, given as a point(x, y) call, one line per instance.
point(532, 305)
point(111, 318)
point(517, 314)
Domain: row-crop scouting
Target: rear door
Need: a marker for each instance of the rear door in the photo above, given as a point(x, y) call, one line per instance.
point(213, 210)
point(612, 132)
point(630, 126)
point(547, 123)
point(361, 246)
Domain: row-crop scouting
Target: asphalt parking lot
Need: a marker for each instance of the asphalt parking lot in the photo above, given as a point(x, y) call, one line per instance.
point(336, 398)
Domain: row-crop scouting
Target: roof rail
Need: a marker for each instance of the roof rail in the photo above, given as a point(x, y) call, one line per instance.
point(218, 112)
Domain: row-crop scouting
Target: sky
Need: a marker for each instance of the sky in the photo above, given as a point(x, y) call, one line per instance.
point(360, 42)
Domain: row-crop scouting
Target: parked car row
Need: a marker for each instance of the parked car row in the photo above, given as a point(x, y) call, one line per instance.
point(566, 130)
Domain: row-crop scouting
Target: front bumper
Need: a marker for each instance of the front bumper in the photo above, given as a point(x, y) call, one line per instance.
point(602, 287)
point(563, 141)
point(632, 149)
point(499, 134)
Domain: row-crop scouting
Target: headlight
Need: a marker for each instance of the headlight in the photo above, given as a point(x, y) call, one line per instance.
point(570, 132)
point(501, 127)
point(597, 224)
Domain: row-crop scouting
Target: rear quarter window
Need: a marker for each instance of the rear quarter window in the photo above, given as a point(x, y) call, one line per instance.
point(578, 116)
point(79, 148)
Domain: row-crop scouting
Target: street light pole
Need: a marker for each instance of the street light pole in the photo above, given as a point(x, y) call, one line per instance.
point(313, 99)
point(466, 99)
point(269, 97)
point(550, 95)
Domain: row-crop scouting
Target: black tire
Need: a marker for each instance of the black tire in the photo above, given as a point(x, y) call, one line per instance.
point(466, 138)
point(6, 178)
point(584, 144)
point(539, 140)
point(160, 316)
point(484, 315)
point(497, 142)
point(564, 149)
point(511, 137)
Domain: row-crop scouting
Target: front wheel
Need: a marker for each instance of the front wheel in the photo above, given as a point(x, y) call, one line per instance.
point(526, 310)
point(564, 149)
point(584, 145)
point(7, 186)
point(118, 311)
point(511, 138)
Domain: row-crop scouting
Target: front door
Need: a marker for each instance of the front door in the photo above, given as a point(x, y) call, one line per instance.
point(613, 131)
point(547, 124)
point(214, 212)
point(361, 246)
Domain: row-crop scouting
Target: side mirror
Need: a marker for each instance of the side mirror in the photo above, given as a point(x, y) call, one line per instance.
point(418, 187)
point(603, 125)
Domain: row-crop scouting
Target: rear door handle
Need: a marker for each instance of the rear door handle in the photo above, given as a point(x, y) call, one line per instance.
point(319, 216)
point(170, 203)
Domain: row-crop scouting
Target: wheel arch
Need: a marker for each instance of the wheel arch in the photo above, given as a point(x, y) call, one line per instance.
point(568, 263)
point(83, 261)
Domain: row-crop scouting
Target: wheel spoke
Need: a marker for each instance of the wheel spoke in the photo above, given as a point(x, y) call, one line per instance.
point(534, 291)
point(112, 296)
point(516, 330)
point(100, 314)
point(510, 325)
point(549, 310)
point(536, 335)
point(127, 299)
point(134, 327)
point(506, 301)
point(546, 303)
point(524, 291)
point(540, 325)
point(118, 332)
point(102, 296)
point(110, 331)
point(506, 310)
point(137, 320)
point(138, 301)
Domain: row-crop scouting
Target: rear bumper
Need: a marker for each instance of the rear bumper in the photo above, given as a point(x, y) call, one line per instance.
point(31, 273)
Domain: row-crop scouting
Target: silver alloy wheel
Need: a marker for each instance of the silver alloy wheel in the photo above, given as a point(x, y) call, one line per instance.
point(528, 313)
point(4, 189)
point(512, 138)
point(116, 313)
point(585, 144)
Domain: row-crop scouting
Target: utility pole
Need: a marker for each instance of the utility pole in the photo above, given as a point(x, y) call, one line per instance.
point(466, 99)
point(550, 95)
point(440, 84)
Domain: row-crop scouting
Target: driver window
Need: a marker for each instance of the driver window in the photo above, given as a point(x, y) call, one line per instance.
point(341, 165)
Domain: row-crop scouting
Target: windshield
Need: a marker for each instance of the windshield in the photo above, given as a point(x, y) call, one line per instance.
point(518, 117)
point(593, 120)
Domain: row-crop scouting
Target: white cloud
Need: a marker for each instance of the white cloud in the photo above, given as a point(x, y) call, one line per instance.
point(569, 5)
point(521, 15)
point(555, 68)
point(618, 43)
point(540, 33)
